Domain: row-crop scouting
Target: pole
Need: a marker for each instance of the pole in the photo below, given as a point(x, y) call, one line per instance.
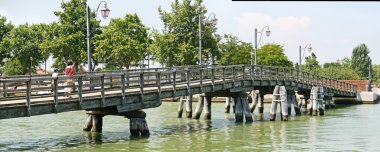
point(88, 39)
point(255, 46)
point(300, 67)
point(200, 39)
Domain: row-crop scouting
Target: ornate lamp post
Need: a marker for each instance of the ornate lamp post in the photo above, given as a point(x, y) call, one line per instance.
point(105, 11)
point(213, 22)
point(267, 33)
point(303, 55)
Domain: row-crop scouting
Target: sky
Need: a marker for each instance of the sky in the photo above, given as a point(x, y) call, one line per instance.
point(333, 29)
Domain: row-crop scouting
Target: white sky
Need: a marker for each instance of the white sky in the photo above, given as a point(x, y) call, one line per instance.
point(332, 28)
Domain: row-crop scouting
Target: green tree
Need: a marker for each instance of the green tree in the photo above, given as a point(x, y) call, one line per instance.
point(123, 42)
point(5, 29)
point(178, 43)
point(312, 64)
point(273, 55)
point(233, 51)
point(360, 60)
point(25, 42)
point(68, 38)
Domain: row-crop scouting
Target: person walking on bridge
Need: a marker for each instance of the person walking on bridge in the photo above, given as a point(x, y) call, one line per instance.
point(69, 71)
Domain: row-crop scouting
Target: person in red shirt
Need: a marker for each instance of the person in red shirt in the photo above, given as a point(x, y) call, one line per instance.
point(69, 71)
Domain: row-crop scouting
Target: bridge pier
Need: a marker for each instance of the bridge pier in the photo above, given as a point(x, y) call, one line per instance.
point(242, 109)
point(316, 102)
point(138, 124)
point(255, 97)
point(228, 103)
point(292, 101)
point(207, 107)
point(304, 101)
point(279, 96)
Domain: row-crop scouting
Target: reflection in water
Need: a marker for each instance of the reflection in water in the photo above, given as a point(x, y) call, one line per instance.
point(336, 131)
point(92, 137)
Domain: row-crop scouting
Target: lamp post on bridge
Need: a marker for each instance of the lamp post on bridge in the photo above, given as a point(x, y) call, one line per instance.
point(267, 33)
point(303, 55)
point(213, 22)
point(337, 66)
point(105, 11)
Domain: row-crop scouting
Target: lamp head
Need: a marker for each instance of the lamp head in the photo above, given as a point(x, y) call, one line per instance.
point(267, 32)
point(105, 11)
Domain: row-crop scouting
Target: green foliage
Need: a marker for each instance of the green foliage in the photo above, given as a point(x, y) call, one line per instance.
point(178, 43)
point(376, 74)
point(13, 66)
point(68, 37)
point(273, 55)
point(25, 42)
point(312, 64)
point(123, 42)
point(360, 60)
point(5, 29)
point(234, 51)
point(338, 72)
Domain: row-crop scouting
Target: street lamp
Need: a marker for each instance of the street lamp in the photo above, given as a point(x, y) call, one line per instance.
point(213, 23)
point(337, 65)
point(105, 11)
point(300, 50)
point(267, 33)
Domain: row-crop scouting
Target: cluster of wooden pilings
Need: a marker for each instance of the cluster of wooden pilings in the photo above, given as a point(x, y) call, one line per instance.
point(243, 104)
point(137, 123)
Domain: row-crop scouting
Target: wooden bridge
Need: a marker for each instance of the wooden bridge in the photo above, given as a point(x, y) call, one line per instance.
point(128, 91)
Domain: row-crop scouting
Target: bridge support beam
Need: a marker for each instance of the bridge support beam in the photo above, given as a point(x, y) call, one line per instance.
point(255, 96)
point(316, 101)
point(304, 101)
point(180, 106)
point(88, 123)
point(279, 96)
point(261, 106)
point(242, 109)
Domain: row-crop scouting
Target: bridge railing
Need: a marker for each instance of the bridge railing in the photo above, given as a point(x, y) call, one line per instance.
point(29, 89)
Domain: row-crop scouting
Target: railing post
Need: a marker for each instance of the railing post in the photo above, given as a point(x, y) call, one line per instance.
point(174, 82)
point(224, 77)
point(55, 83)
point(127, 77)
point(4, 88)
point(102, 90)
point(122, 77)
point(233, 76)
point(28, 95)
point(141, 86)
point(201, 78)
point(188, 83)
point(212, 77)
point(252, 71)
point(277, 73)
point(158, 82)
point(80, 90)
point(261, 73)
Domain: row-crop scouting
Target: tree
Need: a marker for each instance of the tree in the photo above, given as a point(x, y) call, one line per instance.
point(233, 51)
point(123, 42)
point(25, 42)
point(360, 60)
point(68, 40)
point(5, 29)
point(273, 55)
point(312, 64)
point(178, 43)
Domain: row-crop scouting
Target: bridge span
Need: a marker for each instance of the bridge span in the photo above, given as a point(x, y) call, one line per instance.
point(128, 92)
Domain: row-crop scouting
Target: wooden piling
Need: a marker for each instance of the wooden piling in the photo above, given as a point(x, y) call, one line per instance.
point(180, 106)
point(273, 107)
point(138, 127)
point(207, 107)
point(246, 109)
point(261, 106)
point(284, 103)
point(189, 106)
point(297, 109)
point(255, 98)
point(88, 123)
point(199, 108)
point(97, 123)
point(238, 110)
point(227, 107)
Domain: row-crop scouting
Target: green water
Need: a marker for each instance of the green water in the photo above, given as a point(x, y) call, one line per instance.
point(349, 128)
